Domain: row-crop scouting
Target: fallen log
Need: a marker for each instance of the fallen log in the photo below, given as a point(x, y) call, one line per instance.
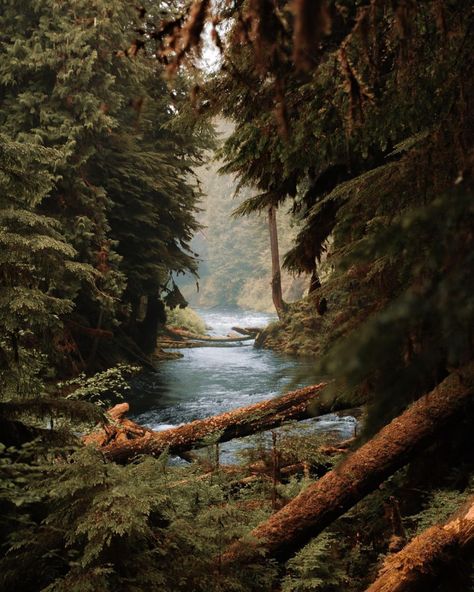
point(222, 339)
point(213, 343)
point(120, 428)
point(118, 411)
point(183, 334)
point(394, 446)
point(252, 331)
point(419, 563)
point(238, 423)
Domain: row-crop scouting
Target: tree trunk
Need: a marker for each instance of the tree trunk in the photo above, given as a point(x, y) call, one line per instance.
point(183, 333)
point(277, 294)
point(393, 447)
point(95, 343)
point(420, 562)
point(241, 422)
point(315, 282)
point(148, 328)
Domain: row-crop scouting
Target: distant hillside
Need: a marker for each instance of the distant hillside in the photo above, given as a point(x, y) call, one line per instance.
point(235, 252)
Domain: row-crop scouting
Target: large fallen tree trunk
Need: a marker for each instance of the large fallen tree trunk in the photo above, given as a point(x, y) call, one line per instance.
point(238, 423)
point(419, 563)
point(393, 447)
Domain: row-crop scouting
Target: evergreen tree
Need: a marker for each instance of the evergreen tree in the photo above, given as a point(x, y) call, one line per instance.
point(71, 78)
point(367, 135)
point(360, 114)
point(35, 263)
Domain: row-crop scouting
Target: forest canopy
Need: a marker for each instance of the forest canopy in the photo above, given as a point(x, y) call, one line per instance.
point(354, 115)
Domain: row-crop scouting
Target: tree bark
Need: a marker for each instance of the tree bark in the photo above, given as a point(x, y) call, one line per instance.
point(187, 335)
point(295, 405)
point(148, 328)
point(120, 430)
point(277, 294)
point(95, 343)
point(393, 447)
point(419, 563)
point(315, 282)
point(251, 331)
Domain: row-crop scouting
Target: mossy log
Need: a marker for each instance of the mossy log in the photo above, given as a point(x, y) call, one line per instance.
point(175, 334)
point(249, 331)
point(223, 339)
point(209, 343)
point(419, 564)
point(245, 421)
point(289, 529)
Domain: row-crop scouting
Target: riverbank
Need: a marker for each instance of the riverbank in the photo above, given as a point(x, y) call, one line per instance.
point(211, 381)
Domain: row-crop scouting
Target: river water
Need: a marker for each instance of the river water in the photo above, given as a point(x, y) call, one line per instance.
point(211, 380)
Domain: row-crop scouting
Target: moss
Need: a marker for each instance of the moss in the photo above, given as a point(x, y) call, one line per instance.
point(186, 318)
point(304, 331)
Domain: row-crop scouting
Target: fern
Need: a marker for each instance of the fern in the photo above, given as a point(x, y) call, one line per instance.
point(313, 569)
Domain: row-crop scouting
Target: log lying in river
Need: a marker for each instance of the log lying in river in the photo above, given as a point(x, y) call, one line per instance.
point(251, 331)
point(181, 338)
point(206, 343)
point(183, 334)
point(268, 414)
point(419, 563)
point(222, 339)
point(393, 447)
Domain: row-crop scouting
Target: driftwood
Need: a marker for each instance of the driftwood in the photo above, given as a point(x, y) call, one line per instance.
point(252, 331)
point(212, 343)
point(268, 414)
point(182, 338)
point(222, 339)
point(419, 563)
point(394, 446)
point(184, 334)
point(120, 429)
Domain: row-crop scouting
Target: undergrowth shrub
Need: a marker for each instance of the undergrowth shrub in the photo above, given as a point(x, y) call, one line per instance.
point(186, 318)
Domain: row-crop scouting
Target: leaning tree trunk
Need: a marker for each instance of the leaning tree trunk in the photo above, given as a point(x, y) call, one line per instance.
point(277, 294)
point(315, 282)
point(419, 563)
point(295, 405)
point(393, 447)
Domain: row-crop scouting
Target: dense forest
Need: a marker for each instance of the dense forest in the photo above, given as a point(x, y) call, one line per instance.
point(234, 252)
point(355, 117)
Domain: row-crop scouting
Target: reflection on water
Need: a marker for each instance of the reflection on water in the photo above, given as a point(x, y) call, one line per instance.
point(212, 380)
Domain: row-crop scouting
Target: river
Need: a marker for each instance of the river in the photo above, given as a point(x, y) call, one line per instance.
point(211, 380)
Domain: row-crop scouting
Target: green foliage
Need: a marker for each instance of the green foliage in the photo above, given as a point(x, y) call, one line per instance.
point(33, 266)
point(441, 505)
point(370, 142)
point(113, 186)
point(366, 136)
point(103, 526)
point(235, 266)
point(186, 318)
point(103, 388)
point(314, 569)
point(380, 184)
